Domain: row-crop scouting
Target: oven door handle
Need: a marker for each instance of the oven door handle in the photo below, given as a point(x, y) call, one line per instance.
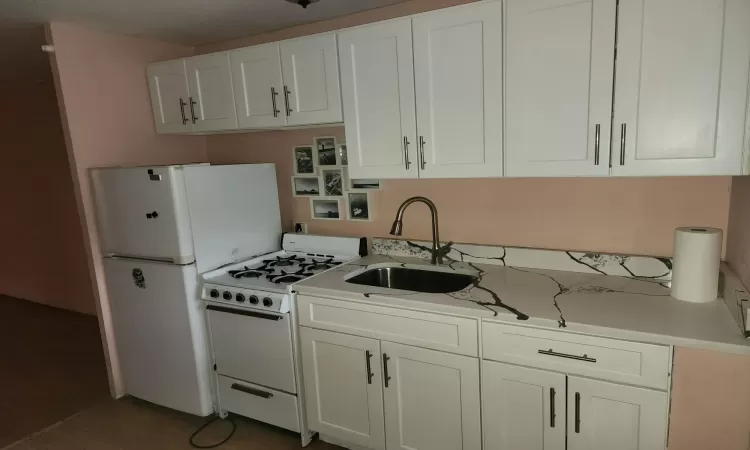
point(243, 312)
point(251, 391)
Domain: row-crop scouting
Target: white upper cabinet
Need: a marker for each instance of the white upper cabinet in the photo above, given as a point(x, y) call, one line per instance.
point(311, 80)
point(431, 399)
point(258, 86)
point(211, 95)
point(558, 86)
point(615, 417)
point(524, 409)
point(458, 72)
point(169, 97)
point(377, 79)
point(681, 87)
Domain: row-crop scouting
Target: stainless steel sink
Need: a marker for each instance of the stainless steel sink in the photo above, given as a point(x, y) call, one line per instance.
point(413, 279)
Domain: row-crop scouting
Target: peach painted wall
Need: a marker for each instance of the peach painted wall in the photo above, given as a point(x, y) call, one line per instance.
point(738, 234)
point(104, 101)
point(621, 215)
point(43, 258)
point(710, 401)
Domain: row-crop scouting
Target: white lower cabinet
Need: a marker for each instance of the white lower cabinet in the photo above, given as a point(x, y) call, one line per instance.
point(431, 399)
point(343, 387)
point(382, 395)
point(524, 409)
point(368, 392)
point(616, 417)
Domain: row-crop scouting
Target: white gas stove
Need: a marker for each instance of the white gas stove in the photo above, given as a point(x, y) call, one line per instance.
point(253, 337)
point(261, 283)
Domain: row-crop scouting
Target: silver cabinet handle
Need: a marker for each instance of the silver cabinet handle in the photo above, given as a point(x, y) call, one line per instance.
point(251, 391)
point(551, 352)
point(407, 163)
point(623, 130)
point(422, 162)
point(182, 111)
point(286, 100)
point(386, 377)
point(273, 101)
point(192, 109)
point(368, 356)
point(552, 407)
point(597, 133)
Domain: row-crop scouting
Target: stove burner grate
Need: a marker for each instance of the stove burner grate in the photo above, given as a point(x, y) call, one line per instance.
point(320, 265)
point(246, 273)
point(284, 262)
point(285, 277)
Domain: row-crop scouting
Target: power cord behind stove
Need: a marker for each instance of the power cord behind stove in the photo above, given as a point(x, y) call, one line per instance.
point(203, 427)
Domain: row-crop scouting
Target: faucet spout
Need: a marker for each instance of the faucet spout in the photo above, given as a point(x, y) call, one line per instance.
point(398, 225)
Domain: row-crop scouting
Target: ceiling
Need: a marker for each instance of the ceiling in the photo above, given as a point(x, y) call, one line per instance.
point(190, 22)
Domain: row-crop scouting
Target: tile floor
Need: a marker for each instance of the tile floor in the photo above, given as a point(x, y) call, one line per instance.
point(52, 366)
point(131, 424)
point(54, 394)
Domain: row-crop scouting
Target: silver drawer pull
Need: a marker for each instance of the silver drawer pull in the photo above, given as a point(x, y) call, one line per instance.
point(551, 352)
point(251, 391)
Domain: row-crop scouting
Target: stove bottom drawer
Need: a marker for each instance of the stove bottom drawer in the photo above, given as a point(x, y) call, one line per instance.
point(259, 403)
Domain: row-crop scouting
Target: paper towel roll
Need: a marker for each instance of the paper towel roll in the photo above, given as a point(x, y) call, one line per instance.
point(697, 255)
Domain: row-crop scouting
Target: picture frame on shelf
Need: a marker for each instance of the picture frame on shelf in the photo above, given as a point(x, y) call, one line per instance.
point(364, 184)
point(342, 156)
point(332, 181)
point(358, 206)
point(304, 160)
point(325, 208)
point(325, 148)
point(306, 186)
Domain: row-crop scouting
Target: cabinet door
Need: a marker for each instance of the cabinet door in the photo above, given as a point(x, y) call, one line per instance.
point(258, 87)
point(558, 86)
point(343, 400)
point(431, 399)
point(311, 77)
point(458, 74)
point(681, 89)
point(524, 409)
point(211, 95)
point(616, 417)
point(377, 79)
point(169, 97)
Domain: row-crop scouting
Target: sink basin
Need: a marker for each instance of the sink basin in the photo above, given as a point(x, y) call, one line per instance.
point(413, 279)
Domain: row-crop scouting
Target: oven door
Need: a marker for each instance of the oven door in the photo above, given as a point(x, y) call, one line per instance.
point(253, 346)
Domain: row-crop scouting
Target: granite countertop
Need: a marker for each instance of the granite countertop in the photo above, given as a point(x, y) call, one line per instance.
point(604, 305)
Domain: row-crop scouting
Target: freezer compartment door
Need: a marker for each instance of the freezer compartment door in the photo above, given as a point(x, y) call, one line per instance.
point(234, 212)
point(253, 346)
point(143, 213)
point(160, 333)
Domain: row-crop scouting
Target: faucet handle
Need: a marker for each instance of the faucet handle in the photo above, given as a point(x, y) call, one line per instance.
point(444, 250)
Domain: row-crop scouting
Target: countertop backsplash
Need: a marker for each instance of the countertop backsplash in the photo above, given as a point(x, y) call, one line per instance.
point(649, 267)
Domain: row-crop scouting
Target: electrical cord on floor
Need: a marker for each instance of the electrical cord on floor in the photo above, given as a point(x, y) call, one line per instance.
point(209, 422)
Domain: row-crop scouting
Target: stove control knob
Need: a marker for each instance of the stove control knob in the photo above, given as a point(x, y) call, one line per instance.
point(267, 302)
point(227, 295)
point(254, 299)
point(213, 293)
point(240, 298)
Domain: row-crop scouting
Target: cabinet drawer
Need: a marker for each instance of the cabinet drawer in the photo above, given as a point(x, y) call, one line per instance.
point(435, 331)
point(258, 402)
point(610, 359)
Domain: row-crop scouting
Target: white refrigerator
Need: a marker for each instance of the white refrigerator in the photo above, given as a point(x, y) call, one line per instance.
point(160, 227)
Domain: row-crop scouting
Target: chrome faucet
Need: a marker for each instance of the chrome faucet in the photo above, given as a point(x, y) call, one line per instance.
point(398, 225)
